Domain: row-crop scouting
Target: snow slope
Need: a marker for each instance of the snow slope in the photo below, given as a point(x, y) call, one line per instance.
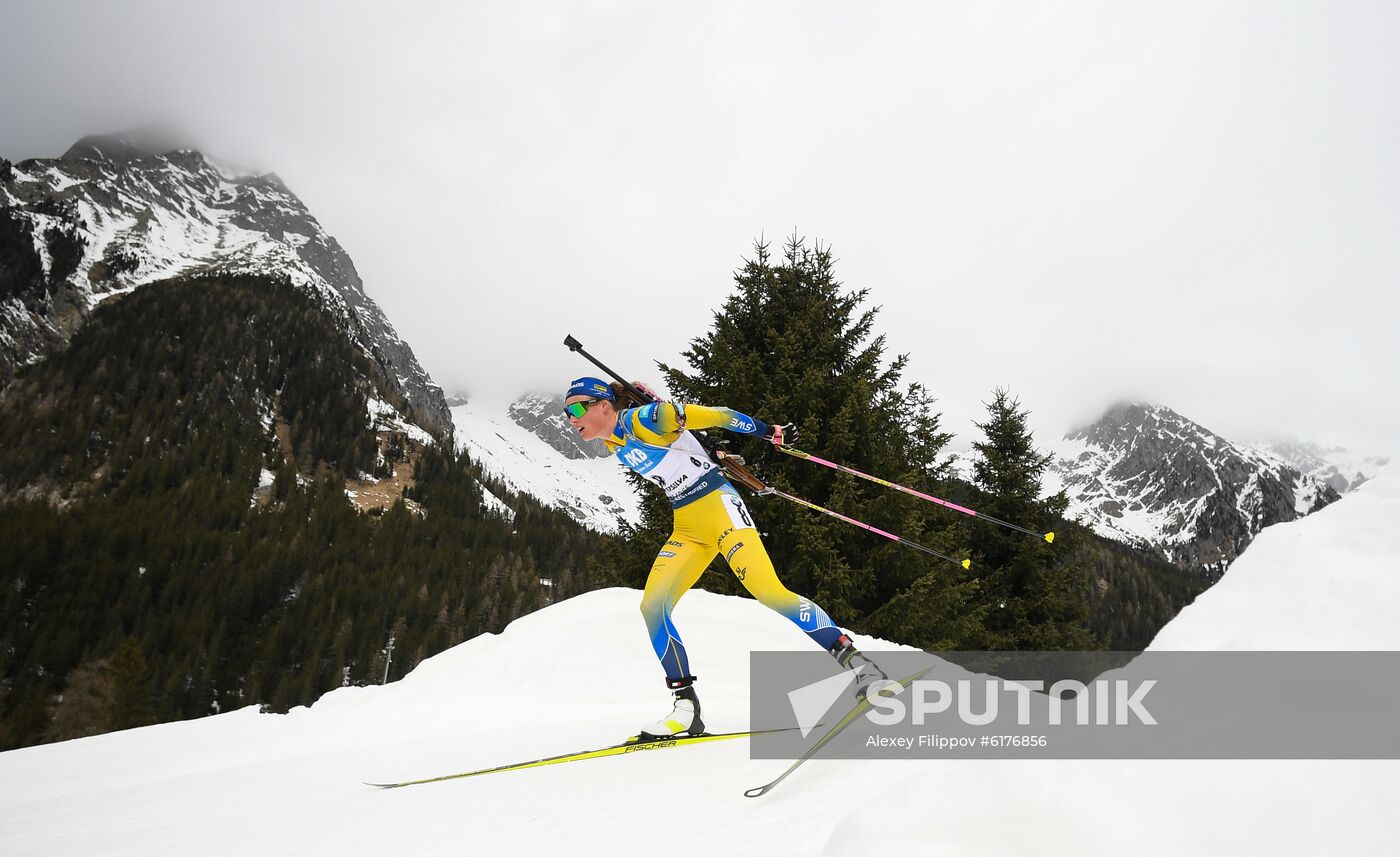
point(1329, 581)
point(580, 673)
point(593, 491)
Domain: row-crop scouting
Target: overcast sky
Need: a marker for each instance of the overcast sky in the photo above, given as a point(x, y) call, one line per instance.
point(1194, 203)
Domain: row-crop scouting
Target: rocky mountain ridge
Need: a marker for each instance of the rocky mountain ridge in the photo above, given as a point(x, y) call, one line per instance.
point(1145, 475)
point(109, 217)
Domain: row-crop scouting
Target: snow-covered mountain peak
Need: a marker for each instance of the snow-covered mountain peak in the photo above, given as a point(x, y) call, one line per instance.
point(137, 143)
point(1146, 475)
point(112, 216)
point(1126, 422)
point(104, 147)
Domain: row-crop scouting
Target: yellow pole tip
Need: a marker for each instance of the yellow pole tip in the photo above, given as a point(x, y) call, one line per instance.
point(1050, 537)
point(967, 563)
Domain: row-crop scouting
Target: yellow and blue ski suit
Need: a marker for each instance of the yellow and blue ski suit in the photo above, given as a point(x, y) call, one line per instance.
point(710, 517)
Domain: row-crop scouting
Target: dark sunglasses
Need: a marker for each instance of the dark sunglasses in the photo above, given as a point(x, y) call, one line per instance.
point(578, 409)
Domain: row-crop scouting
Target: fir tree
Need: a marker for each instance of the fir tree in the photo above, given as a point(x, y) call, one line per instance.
point(131, 687)
point(1036, 594)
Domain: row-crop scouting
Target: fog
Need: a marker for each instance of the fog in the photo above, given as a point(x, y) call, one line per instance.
point(1192, 203)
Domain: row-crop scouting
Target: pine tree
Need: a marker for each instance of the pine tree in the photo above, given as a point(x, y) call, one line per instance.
point(131, 694)
point(1036, 594)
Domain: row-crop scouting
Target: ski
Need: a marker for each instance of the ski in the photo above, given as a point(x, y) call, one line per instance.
point(859, 709)
point(615, 750)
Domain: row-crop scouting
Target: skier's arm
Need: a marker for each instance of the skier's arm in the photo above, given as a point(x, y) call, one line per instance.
point(702, 417)
point(665, 418)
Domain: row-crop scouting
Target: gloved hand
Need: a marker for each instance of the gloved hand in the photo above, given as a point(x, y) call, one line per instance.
point(784, 435)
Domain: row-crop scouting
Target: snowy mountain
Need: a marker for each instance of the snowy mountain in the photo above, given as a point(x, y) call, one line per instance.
point(1145, 475)
point(1337, 466)
point(192, 787)
point(527, 445)
point(109, 217)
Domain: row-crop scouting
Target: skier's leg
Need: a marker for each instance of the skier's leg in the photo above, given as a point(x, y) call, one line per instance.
point(678, 565)
point(748, 559)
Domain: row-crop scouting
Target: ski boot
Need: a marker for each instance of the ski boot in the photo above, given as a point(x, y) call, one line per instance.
point(684, 719)
point(869, 676)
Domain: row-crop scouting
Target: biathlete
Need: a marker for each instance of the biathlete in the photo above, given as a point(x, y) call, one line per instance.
point(655, 440)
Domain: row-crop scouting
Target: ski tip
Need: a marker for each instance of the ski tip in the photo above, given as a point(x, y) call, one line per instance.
point(1050, 537)
point(967, 563)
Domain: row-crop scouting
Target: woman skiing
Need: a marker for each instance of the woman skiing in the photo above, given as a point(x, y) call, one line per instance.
point(710, 517)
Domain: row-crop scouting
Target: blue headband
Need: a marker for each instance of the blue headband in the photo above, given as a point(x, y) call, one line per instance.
point(594, 387)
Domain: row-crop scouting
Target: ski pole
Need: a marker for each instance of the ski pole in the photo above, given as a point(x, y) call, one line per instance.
point(734, 468)
point(965, 563)
point(797, 453)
